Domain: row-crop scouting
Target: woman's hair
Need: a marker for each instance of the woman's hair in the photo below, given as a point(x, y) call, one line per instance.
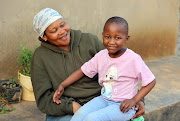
point(118, 20)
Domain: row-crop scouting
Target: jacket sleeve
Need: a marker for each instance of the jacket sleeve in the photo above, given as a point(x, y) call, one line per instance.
point(44, 91)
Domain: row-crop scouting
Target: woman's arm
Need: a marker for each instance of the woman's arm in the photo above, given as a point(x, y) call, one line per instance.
point(129, 103)
point(43, 91)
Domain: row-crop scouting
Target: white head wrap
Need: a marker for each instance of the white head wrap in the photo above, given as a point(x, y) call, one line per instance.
point(43, 19)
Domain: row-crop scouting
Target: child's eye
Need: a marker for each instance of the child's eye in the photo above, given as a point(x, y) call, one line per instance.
point(107, 37)
point(118, 38)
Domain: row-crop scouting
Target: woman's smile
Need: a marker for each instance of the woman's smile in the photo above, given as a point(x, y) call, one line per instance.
point(64, 37)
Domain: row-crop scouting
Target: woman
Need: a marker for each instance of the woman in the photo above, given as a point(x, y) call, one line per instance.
point(62, 51)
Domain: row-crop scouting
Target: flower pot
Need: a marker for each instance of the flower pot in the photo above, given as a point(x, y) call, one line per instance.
point(27, 89)
point(11, 94)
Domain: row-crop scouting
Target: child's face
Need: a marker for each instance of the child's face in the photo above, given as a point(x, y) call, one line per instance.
point(58, 34)
point(114, 38)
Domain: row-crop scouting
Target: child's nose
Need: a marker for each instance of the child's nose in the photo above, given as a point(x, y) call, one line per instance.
point(112, 41)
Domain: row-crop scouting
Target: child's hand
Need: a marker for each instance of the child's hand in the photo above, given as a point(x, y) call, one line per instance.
point(58, 94)
point(127, 104)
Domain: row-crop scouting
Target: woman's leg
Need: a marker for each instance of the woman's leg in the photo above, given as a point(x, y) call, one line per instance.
point(58, 118)
point(93, 105)
point(110, 113)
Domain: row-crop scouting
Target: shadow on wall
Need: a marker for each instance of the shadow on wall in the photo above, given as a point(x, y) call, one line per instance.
point(168, 113)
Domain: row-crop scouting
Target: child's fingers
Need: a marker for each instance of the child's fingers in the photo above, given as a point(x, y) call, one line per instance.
point(57, 101)
point(58, 92)
point(125, 107)
point(54, 97)
point(121, 106)
point(128, 108)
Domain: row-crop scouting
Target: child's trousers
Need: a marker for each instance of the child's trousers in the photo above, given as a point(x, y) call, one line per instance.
point(100, 109)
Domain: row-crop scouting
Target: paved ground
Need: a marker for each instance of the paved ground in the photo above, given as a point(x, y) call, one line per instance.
point(167, 89)
point(166, 92)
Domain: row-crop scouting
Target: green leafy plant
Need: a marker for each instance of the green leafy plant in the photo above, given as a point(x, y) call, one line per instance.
point(25, 60)
point(6, 110)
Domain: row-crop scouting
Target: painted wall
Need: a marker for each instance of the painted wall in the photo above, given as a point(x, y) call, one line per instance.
point(153, 25)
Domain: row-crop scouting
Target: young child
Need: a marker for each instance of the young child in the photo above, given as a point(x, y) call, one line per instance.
point(119, 70)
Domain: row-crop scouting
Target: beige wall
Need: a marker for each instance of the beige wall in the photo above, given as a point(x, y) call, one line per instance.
point(153, 24)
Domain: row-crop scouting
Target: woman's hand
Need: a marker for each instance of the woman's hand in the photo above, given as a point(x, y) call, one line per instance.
point(58, 94)
point(127, 104)
point(140, 110)
point(76, 106)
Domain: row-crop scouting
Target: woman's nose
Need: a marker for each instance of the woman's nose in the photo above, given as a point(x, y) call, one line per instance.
point(61, 31)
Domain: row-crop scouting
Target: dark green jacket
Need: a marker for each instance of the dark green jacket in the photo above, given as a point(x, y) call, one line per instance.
point(51, 65)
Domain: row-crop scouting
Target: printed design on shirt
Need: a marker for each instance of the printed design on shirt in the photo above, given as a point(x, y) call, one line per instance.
point(109, 79)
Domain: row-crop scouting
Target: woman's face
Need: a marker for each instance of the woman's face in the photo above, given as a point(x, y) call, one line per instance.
point(58, 34)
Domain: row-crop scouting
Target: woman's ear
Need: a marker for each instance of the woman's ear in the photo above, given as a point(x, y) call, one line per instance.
point(44, 37)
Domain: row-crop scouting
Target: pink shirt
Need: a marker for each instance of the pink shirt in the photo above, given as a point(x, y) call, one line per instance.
point(118, 77)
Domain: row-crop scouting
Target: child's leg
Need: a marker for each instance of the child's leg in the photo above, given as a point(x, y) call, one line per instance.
point(93, 105)
point(110, 113)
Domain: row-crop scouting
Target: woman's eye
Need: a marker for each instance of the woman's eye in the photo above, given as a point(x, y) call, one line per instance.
point(53, 31)
point(62, 25)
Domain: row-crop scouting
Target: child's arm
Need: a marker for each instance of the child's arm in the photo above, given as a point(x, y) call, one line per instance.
point(129, 103)
point(75, 76)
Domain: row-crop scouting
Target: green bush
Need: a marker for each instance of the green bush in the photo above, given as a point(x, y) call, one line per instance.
point(24, 60)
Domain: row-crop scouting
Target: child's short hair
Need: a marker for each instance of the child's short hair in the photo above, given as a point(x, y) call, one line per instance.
point(118, 20)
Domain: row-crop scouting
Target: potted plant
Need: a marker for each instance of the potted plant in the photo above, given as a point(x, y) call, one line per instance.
point(24, 60)
point(4, 106)
point(12, 90)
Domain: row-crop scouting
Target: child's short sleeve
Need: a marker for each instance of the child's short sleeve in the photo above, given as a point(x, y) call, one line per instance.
point(90, 68)
point(144, 73)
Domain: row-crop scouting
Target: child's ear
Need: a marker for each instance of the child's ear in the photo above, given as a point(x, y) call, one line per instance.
point(127, 38)
point(102, 33)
